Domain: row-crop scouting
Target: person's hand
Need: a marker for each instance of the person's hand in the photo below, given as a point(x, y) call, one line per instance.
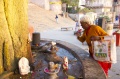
point(93, 38)
point(77, 34)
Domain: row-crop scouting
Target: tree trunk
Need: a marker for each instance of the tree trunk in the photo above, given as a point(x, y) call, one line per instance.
point(13, 33)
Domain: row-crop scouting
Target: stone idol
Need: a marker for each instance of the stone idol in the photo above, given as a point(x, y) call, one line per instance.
point(24, 67)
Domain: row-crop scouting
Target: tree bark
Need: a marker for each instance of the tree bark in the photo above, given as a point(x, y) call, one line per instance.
point(13, 33)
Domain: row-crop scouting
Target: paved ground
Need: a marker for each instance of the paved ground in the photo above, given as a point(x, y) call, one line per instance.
point(68, 36)
point(43, 20)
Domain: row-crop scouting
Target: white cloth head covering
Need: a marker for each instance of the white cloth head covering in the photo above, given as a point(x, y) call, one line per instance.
point(86, 18)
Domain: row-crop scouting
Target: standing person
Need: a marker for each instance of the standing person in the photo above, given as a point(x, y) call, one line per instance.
point(119, 21)
point(90, 33)
point(76, 26)
point(56, 17)
point(96, 21)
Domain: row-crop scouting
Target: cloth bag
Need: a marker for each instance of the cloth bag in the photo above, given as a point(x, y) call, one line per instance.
point(105, 49)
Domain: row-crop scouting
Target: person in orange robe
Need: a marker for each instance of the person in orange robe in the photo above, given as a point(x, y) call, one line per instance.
point(90, 33)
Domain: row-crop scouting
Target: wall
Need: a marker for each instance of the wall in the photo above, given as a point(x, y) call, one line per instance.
point(100, 6)
point(40, 3)
point(76, 17)
point(117, 8)
point(54, 5)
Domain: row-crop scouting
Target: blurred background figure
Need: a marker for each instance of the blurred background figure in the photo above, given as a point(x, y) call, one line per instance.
point(119, 20)
point(56, 17)
point(78, 28)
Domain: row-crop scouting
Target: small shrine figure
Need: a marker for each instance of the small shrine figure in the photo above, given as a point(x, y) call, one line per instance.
point(24, 67)
point(52, 70)
point(65, 63)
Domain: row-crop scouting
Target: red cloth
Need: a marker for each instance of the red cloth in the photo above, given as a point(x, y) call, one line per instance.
point(105, 66)
point(31, 30)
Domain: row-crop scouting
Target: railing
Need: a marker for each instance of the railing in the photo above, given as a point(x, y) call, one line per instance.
point(99, 3)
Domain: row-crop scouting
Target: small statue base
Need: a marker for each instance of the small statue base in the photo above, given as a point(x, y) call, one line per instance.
point(52, 71)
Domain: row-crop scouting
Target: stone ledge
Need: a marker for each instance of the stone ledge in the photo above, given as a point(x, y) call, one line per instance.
point(91, 68)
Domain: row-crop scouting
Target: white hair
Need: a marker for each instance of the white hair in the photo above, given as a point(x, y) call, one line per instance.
point(86, 19)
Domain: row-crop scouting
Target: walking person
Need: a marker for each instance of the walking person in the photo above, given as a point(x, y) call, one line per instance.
point(78, 28)
point(119, 20)
point(91, 32)
point(56, 17)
